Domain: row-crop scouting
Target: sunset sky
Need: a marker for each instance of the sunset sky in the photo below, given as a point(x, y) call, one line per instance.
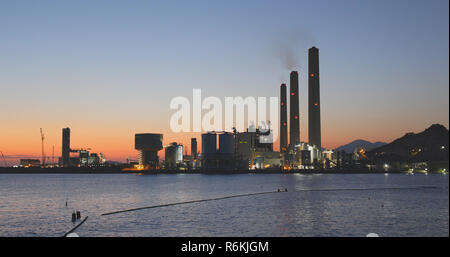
point(108, 69)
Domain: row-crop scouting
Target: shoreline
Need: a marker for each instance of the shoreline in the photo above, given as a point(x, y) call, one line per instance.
point(120, 170)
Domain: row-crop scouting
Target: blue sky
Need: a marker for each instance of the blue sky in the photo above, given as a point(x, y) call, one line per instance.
point(103, 65)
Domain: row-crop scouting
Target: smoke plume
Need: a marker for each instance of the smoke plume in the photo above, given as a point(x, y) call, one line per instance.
point(290, 47)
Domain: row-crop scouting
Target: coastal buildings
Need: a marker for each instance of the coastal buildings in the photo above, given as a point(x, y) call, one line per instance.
point(173, 155)
point(82, 158)
point(253, 148)
point(194, 148)
point(27, 163)
point(250, 149)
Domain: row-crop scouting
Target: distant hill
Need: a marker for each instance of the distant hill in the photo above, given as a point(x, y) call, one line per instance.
point(429, 145)
point(350, 147)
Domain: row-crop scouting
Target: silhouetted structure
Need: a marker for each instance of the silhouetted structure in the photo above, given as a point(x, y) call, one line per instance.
point(148, 145)
point(294, 111)
point(65, 155)
point(27, 163)
point(283, 119)
point(213, 158)
point(314, 129)
point(194, 148)
point(171, 155)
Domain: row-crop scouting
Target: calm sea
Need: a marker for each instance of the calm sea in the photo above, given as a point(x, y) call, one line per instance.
point(35, 205)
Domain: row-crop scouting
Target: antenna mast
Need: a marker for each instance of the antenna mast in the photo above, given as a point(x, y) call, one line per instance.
point(43, 153)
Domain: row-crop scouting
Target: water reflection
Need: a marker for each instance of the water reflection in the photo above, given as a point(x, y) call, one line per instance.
point(32, 205)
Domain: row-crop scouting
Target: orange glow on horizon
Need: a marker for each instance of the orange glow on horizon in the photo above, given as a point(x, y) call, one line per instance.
point(116, 139)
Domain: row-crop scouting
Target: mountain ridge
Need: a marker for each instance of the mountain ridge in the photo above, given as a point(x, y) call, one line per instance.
point(359, 143)
point(428, 145)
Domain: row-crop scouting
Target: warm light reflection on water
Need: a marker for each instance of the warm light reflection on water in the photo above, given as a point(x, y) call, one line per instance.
point(34, 205)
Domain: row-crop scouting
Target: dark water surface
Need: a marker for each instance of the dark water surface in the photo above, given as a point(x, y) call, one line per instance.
point(34, 205)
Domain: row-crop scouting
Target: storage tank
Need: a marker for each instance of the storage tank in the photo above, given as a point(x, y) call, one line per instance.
point(148, 142)
point(209, 143)
point(171, 155)
point(179, 154)
point(226, 143)
point(148, 145)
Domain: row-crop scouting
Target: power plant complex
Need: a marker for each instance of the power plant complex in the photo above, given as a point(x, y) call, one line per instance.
point(229, 150)
point(82, 156)
point(250, 149)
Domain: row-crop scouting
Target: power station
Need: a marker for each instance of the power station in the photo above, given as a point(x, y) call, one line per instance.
point(65, 155)
point(283, 119)
point(294, 121)
point(221, 150)
point(314, 129)
point(148, 145)
point(82, 156)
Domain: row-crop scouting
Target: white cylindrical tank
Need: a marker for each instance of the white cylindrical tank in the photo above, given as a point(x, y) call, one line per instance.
point(179, 154)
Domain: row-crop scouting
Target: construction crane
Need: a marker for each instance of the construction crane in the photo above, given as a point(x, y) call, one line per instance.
point(53, 155)
point(43, 153)
point(77, 150)
point(4, 160)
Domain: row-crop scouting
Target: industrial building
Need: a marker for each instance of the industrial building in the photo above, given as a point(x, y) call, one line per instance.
point(299, 154)
point(251, 149)
point(81, 158)
point(193, 157)
point(28, 163)
point(65, 155)
point(221, 158)
point(148, 145)
point(237, 150)
point(194, 147)
point(266, 160)
point(173, 155)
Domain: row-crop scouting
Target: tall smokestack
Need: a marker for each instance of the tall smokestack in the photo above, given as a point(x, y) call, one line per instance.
point(314, 130)
point(283, 119)
point(294, 111)
point(65, 155)
point(194, 147)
